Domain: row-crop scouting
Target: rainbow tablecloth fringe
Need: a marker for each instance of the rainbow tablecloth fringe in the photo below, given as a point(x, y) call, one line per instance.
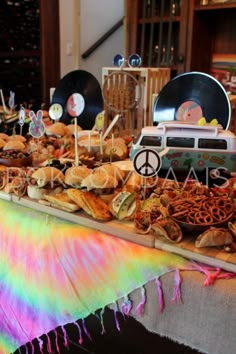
point(53, 272)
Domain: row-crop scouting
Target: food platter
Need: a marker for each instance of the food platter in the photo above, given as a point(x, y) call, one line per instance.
point(125, 230)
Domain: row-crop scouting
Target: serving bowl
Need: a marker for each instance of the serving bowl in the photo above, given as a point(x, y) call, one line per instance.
point(15, 158)
point(198, 228)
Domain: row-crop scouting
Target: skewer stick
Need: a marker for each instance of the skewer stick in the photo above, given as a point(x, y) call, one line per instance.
point(76, 142)
point(101, 144)
point(89, 142)
point(3, 101)
point(113, 122)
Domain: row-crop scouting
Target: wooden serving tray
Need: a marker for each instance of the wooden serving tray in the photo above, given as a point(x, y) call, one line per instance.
point(121, 229)
point(212, 256)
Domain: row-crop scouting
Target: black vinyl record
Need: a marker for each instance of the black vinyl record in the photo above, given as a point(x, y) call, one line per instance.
point(85, 84)
point(190, 96)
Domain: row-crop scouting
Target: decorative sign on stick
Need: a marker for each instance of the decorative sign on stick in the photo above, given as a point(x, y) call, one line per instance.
point(75, 106)
point(11, 101)
point(55, 111)
point(36, 127)
point(99, 121)
point(21, 118)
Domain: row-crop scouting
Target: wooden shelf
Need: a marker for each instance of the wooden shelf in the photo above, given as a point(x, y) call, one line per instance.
point(221, 6)
point(29, 49)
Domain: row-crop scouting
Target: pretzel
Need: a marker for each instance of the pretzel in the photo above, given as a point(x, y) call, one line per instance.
point(226, 204)
point(203, 217)
point(201, 209)
point(218, 214)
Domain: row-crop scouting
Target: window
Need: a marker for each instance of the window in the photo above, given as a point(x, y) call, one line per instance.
point(217, 144)
point(151, 141)
point(180, 142)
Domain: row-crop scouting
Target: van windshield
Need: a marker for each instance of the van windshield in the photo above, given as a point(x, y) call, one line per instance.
point(180, 142)
point(151, 141)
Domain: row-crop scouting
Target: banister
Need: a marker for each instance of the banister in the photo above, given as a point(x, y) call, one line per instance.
point(102, 39)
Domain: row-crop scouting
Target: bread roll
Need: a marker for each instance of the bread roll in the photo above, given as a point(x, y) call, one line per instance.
point(4, 136)
point(35, 192)
point(48, 174)
point(57, 129)
point(2, 143)
point(14, 145)
point(71, 129)
point(99, 180)
point(75, 175)
point(17, 137)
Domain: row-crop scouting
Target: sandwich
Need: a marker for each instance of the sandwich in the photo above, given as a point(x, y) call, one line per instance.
point(17, 137)
point(116, 149)
point(2, 143)
point(57, 129)
point(92, 204)
point(74, 175)
point(104, 181)
point(14, 145)
point(61, 201)
point(45, 180)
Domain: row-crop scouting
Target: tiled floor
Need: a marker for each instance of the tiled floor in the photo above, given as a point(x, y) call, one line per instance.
point(132, 338)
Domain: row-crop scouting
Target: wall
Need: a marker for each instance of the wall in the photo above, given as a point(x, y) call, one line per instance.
point(83, 22)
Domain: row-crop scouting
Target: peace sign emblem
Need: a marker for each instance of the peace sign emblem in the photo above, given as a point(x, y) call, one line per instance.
point(147, 162)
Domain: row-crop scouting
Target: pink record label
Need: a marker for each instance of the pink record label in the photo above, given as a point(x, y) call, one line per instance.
point(75, 104)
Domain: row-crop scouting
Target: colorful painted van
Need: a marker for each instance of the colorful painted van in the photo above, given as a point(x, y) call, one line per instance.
point(189, 145)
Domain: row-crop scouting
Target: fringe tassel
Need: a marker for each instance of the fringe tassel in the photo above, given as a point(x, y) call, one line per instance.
point(56, 342)
point(160, 295)
point(140, 308)
point(65, 335)
point(49, 347)
point(177, 291)
point(211, 277)
point(80, 333)
point(102, 321)
point(126, 306)
point(32, 347)
point(40, 345)
point(115, 316)
point(86, 331)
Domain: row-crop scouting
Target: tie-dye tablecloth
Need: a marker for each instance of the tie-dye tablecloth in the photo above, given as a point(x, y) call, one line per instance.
point(53, 272)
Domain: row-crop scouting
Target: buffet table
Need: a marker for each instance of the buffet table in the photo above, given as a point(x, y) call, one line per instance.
point(54, 272)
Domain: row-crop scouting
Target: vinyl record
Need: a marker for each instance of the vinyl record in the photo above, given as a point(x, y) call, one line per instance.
point(189, 97)
point(86, 85)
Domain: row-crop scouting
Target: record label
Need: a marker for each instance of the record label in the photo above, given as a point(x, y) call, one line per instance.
point(75, 105)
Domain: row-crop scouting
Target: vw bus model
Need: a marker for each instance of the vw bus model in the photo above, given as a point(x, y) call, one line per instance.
point(189, 145)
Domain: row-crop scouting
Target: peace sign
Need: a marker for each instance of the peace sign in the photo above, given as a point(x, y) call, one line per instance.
point(147, 162)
